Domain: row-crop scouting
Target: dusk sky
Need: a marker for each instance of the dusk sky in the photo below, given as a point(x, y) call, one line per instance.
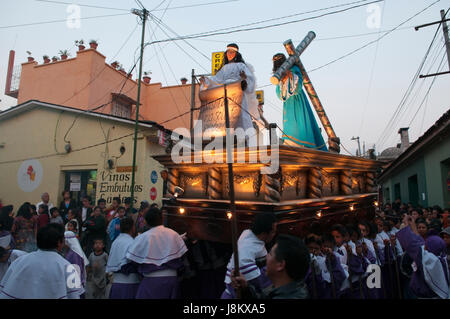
point(360, 92)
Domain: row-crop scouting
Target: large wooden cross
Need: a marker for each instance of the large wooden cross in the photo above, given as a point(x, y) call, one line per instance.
point(294, 59)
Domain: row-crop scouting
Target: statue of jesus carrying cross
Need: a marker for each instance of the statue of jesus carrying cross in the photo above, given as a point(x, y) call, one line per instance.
point(299, 125)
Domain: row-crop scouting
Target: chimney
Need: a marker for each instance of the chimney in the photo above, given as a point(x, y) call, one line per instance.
point(10, 72)
point(183, 81)
point(404, 138)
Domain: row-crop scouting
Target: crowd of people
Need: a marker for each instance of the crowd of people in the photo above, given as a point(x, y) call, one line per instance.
point(119, 252)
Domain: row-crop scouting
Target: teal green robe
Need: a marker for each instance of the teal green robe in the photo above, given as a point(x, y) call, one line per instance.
point(299, 125)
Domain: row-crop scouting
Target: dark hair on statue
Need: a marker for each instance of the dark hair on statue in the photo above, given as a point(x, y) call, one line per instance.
point(278, 59)
point(295, 255)
point(237, 58)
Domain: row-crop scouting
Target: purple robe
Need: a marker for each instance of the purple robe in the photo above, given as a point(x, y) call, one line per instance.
point(125, 290)
point(165, 287)
point(324, 289)
point(76, 259)
point(412, 244)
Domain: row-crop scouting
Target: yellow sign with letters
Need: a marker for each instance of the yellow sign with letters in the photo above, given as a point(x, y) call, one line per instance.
point(260, 96)
point(217, 60)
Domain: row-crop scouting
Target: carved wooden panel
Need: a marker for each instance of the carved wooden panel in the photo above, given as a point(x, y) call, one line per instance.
point(194, 185)
point(293, 185)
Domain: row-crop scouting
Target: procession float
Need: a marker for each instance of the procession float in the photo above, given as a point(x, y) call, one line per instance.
point(216, 200)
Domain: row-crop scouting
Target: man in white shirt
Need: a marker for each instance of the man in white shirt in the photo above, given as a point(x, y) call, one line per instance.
point(45, 199)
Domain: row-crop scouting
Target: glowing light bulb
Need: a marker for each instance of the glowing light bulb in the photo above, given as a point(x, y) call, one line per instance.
point(319, 214)
point(375, 203)
point(181, 210)
point(352, 208)
point(229, 215)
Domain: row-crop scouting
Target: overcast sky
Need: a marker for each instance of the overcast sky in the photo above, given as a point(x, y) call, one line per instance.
point(360, 92)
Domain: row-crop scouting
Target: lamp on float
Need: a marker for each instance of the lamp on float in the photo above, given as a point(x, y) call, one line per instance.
point(352, 208)
point(319, 214)
point(375, 203)
point(178, 192)
point(181, 210)
point(229, 215)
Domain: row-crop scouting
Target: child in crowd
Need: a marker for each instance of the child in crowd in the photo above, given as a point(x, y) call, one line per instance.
point(97, 271)
point(55, 218)
point(72, 217)
point(43, 218)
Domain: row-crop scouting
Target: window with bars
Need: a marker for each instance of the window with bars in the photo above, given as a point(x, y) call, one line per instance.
point(121, 108)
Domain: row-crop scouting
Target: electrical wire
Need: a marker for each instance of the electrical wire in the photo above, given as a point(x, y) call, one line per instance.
point(197, 5)
point(82, 5)
point(63, 20)
point(283, 17)
point(206, 34)
point(374, 41)
point(316, 39)
point(387, 130)
point(165, 79)
point(429, 89)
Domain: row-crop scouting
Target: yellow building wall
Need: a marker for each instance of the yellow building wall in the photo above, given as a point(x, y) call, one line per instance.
point(40, 132)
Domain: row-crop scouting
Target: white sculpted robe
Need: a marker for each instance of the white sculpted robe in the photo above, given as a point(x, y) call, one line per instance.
point(230, 73)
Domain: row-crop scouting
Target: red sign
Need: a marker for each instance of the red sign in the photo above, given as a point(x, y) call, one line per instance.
point(153, 193)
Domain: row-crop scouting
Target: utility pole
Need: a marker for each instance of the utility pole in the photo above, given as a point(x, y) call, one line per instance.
point(192, 102)
point(359, 145)
point(446, 39)
point(143, 14)
point(233, 216)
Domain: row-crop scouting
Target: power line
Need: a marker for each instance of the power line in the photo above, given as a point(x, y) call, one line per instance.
point(160, 23)
point(196, 5)
point(317, 39)
point(385, 133)
point(281, 18)
point(374, 41)
point(429, 89)
point(208, 34)
point(164, 75)
point(82, 5)
point(63, 20)
point(104, 68)
point(190, 56)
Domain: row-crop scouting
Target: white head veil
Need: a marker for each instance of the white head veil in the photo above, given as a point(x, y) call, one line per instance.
point(74, 244)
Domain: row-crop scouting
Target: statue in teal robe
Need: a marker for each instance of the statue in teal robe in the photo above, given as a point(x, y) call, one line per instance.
point(299, 125)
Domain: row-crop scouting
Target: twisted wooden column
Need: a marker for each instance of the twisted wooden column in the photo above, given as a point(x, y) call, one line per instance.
point(173, 180)
point(370, 182)
point(272, 188)
point(345, 182)
point(315, 183)
point(214, 183)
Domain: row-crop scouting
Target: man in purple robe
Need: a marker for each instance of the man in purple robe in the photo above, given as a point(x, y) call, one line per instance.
point(430, 278)
point(158, 254)
point(125, 276)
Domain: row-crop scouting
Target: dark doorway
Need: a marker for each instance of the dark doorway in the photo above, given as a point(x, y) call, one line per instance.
point(81, 183)
point(397, 192)
point(413, 190)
